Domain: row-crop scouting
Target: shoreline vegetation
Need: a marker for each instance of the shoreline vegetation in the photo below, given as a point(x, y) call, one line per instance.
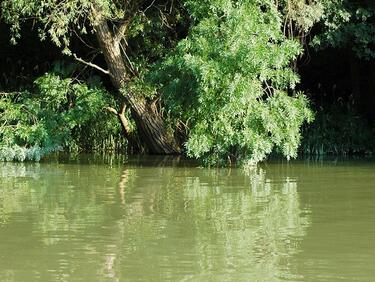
point(221, 82)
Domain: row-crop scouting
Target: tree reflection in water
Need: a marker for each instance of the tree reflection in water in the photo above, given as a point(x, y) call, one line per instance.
point(148, 221)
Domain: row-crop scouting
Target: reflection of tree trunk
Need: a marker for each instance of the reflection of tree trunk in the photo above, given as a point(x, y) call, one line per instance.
point(160, 161)
point(124, 179)
point(149, 122)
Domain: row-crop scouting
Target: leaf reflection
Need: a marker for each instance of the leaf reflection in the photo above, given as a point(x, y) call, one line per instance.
point(148, 222)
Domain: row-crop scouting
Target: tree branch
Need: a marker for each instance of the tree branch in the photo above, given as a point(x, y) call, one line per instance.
point(123, 108)
point(149, 6)
point(114, 111)
point(83, 41)
point(123, 119)
point(91, 65)
point(129, 64)
point(111, 110)
point(121, 30)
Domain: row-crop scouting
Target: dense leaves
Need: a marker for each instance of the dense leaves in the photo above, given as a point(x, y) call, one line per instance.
point(222, 74)
point(348, 24)
point(229, 82)
point(52, 117)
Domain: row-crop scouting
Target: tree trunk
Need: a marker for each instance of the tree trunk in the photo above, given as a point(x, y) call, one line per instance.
point(149, 123)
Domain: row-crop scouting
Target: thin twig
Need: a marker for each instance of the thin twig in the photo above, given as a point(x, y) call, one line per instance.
point(130, 67)
point(83, 41)
point(144, 11)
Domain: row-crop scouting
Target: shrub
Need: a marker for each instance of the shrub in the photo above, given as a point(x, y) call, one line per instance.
point(57, 114)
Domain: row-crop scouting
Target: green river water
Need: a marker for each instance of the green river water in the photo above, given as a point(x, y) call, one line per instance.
point(166, 219)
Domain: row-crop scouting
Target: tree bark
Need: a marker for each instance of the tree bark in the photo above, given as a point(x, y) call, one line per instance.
point(122, 119)
point(150, 124)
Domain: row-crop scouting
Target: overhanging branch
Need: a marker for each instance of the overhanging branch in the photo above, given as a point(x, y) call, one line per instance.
point(91, 64)
point(111, 110)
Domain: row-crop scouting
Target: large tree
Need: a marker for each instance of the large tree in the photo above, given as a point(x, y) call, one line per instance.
point(112, 22)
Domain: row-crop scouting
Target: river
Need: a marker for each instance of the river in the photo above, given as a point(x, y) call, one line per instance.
point(167, 219)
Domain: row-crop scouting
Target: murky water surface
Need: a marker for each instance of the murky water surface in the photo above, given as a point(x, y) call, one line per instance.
point(168, 220)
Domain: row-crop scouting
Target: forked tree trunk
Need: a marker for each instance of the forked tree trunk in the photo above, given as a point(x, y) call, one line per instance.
point(150, 124)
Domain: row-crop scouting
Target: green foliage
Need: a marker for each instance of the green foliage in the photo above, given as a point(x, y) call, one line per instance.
point(55, 19)
point(338, 130)
point(150, 24)
point(57, 114)
point(300, 14)
point(348, 24)
point(228, 83)
point(153, 32)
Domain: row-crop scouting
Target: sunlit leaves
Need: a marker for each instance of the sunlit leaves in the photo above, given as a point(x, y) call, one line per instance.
point(229, 82)
point(302, 14)
point(50, 118)
point(229, 71)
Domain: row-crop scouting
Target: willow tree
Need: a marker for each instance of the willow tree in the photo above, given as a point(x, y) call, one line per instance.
point(112, 22)
point(231, 84)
